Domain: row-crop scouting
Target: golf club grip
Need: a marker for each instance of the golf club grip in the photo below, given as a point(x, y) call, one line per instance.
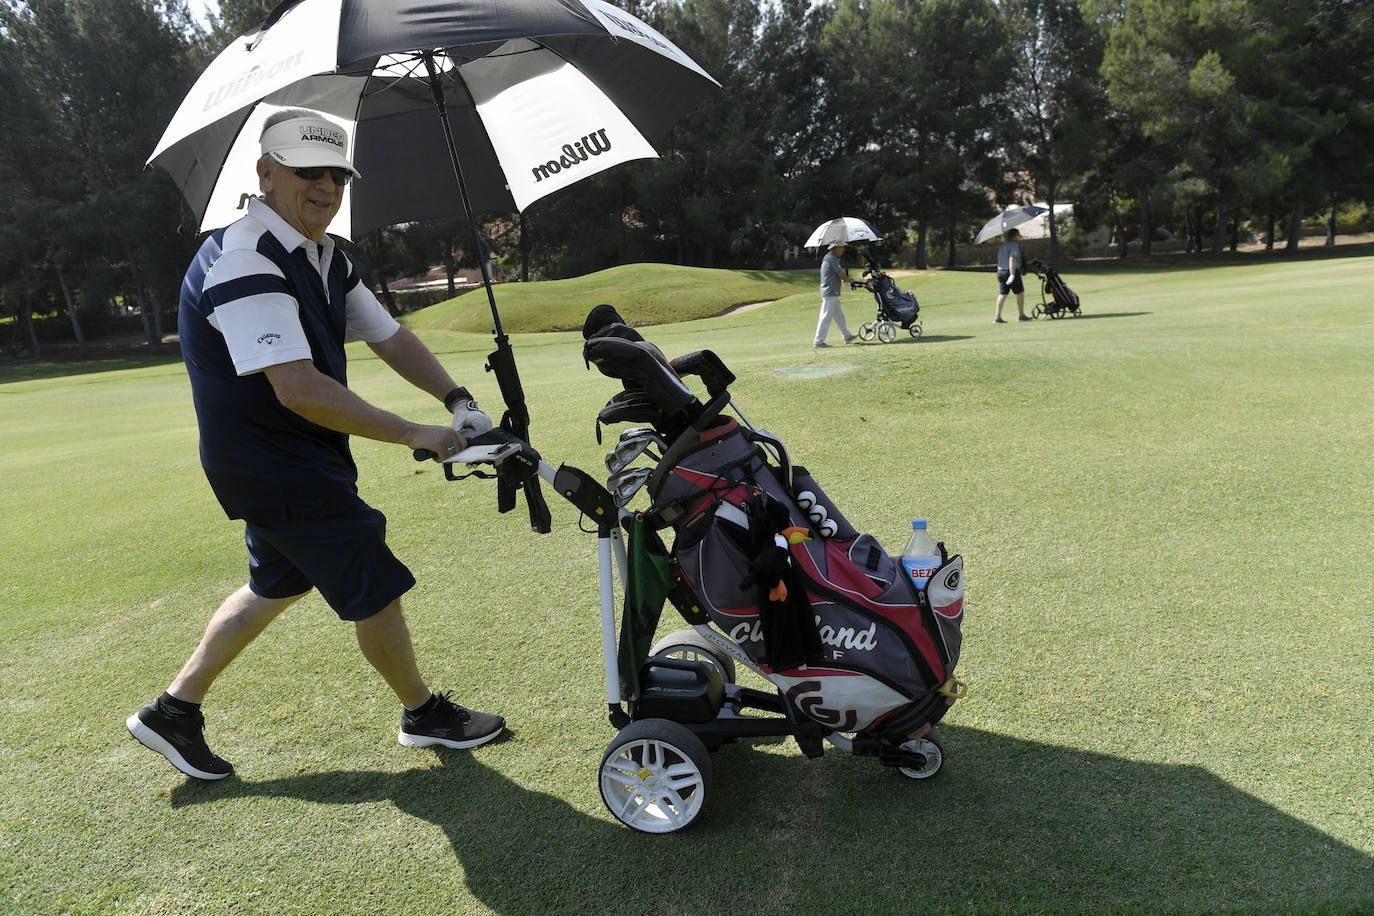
point(424, 454)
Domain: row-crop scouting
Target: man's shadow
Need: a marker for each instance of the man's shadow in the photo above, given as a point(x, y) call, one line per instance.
point(513, 843)
point(1008, 823)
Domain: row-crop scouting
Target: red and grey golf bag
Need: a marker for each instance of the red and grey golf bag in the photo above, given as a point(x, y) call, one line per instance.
point(820, 610)
point(824, 612)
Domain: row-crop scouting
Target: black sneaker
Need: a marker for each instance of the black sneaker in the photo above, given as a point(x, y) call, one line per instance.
point(180, 737)
point(1024, 318)
point(442, 721)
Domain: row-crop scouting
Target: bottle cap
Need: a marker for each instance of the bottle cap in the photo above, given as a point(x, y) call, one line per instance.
point(918, 524)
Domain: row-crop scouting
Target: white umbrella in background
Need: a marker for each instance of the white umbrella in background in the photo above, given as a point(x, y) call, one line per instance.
point(1009, 218)
point(842, 231)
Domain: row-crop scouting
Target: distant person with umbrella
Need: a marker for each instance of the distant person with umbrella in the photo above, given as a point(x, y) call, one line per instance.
point(1009, 277)
point(836, 234)
point(833, 275)
point(266, 308)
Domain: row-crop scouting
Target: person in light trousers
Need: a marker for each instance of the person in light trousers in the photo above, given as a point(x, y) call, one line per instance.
point(833, 275)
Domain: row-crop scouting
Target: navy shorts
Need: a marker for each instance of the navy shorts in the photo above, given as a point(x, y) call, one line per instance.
point(343, 554)
point(1009, 284)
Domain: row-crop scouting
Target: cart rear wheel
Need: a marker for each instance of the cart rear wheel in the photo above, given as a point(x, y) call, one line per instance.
point(931, 749)
point(1036, 312)
point(655, 776)
point(692, 646)
point(887, 332)
point(866, 331)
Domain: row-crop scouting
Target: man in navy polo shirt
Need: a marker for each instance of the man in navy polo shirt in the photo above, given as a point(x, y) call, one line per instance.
point(266, 308)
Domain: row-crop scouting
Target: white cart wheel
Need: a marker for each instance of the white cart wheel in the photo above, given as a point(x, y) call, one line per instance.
point(866, 331)
point(915, 329)
point(655, 776)
point(887, 332)
point(692, 646)
point(932, 748)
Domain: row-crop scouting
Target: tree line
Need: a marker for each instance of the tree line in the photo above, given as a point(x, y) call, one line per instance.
point(1200, 119)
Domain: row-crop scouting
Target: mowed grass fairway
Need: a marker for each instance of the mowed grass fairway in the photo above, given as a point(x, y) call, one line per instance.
point(1167, 513)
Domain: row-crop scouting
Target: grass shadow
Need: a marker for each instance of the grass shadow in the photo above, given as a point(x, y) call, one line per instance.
point(20, 370)
point(1009, 825)
point(1080, 317)
point(924, 338)
point(514, 844)
point(1021, 825)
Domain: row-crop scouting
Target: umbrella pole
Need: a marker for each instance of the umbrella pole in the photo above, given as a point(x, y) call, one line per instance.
point(501, 362)
point(438, 92)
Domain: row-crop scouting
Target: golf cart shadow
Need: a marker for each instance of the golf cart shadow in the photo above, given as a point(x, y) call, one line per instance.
point(924, 338)
point(1031, 826)
point(1106, 315)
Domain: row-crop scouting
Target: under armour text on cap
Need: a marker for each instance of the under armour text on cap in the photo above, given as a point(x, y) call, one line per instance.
point(307, 142)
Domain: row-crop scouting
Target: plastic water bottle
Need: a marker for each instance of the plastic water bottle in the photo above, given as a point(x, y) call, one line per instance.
point(921, 557)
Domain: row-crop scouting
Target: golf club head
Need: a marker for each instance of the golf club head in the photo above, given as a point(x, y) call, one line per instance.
point(633, 443)
point(625, 484)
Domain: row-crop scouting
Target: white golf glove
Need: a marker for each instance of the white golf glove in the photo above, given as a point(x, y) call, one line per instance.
point(469, 420)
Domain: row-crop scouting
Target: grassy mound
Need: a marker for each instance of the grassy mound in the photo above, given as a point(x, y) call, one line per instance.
point(653, 293)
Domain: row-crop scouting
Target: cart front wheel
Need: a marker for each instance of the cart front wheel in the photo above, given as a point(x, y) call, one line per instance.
point(915, 329)
point(655, 776)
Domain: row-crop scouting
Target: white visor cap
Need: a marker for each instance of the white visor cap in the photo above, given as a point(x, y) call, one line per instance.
point(308, 142)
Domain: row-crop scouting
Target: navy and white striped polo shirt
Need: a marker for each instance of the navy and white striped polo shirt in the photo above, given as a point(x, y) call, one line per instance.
point(258, 294)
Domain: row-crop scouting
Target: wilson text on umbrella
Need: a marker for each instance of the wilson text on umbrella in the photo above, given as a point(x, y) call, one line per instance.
point(593, 144)
point(246, 81)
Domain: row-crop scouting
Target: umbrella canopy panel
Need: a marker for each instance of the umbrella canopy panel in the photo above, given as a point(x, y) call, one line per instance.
point(547, 122)
point(369, 29)
point(649, 78)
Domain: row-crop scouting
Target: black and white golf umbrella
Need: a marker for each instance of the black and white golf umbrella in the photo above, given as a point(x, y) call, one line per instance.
point(491, 103)
point(1009, 218)
point(841, 231)
point(539, 94)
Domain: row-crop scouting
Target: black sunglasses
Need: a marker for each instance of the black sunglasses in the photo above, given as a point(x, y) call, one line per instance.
point(340, 176)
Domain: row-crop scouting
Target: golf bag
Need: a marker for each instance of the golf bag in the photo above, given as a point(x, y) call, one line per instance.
point(895, 305)
point(819, 609)
point(1056, 298)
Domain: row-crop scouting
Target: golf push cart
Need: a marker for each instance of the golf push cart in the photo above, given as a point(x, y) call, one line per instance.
point(765, 570)
point(897, 308)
